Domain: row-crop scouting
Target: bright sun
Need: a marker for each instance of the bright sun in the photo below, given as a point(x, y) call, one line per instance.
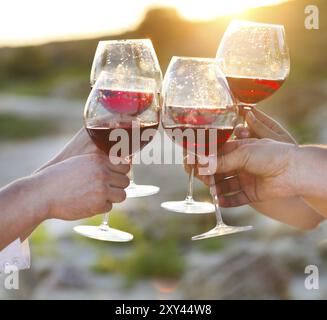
point(40, 21)
point(207, 9)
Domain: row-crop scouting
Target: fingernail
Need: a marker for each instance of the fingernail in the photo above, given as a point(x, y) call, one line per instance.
point(208, 165)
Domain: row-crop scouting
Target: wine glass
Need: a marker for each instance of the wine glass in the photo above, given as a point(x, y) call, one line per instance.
point(134, 57)
point(199, 113)
point(121, 116)
point(188, 205)
point(255, 59)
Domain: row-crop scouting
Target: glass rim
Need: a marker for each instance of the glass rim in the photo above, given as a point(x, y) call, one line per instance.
point(113, 75)
point(119, 41)
point(255, 23)
point(108, 80)
point(214, 60)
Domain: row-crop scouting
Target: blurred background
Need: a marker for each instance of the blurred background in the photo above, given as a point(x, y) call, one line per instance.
point(45, 59)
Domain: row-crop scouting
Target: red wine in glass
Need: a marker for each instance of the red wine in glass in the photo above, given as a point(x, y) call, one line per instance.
point(250, 91)
point(253, 90)
point(202, 141)
point(125, 102)
point(194, 116)
point(206, 135)
point(101, 137)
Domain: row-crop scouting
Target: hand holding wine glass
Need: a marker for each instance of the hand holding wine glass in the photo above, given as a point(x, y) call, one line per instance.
point(291, 210)
point(71, 195)
point(266, 170)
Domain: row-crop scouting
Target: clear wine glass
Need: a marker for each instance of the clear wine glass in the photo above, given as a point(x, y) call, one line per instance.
point(255, 59)
point(188, 205)
point(133, 57)
point(118, 112)
point(199, 113)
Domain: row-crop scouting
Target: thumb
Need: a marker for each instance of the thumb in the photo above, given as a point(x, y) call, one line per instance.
point(259, 128)
point(234, 155)
point(234, 160)
point(242, 132)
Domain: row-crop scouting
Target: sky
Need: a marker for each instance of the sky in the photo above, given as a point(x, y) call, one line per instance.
point(24, 22)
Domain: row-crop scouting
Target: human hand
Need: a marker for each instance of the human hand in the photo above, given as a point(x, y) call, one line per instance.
point(82, 186)
point(262, 126)
point(259, 170)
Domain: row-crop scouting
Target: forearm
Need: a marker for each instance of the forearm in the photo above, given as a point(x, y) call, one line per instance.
point(293, 211)
point(21, 208)
point(311, 177)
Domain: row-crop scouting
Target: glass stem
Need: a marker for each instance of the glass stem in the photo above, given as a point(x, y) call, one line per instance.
point(131, 174)
point(105, 222)
point(213, 191)
point(243, 110)
point(189, 196)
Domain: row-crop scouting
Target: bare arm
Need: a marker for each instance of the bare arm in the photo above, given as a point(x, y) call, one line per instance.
point(21, 209)
point(312, 182)
point(60, 191)
point(294, 210)
point(79, 144)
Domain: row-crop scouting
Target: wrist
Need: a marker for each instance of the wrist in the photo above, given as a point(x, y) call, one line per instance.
point(39, 207)
point(309, 168)
point(293, 168)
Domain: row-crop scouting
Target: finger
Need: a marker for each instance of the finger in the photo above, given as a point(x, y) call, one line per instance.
point(118, 180)
point(259, 128)
point(222, 176)
point(234, 156)
point(275, 126)
point(118, 165)
point(231, 145)
point(268, 121)
point(219, 177)
point(106, 207)
point(203, 178)
point(235, 200)
point(116, 195)
point(235, 160)
point(188, 167)
point(242, 132)
point(228, 185)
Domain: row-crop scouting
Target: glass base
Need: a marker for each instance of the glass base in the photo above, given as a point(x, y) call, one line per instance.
point(103, 233)
point(188, 207)
point(221, 230)
point(136, 190)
